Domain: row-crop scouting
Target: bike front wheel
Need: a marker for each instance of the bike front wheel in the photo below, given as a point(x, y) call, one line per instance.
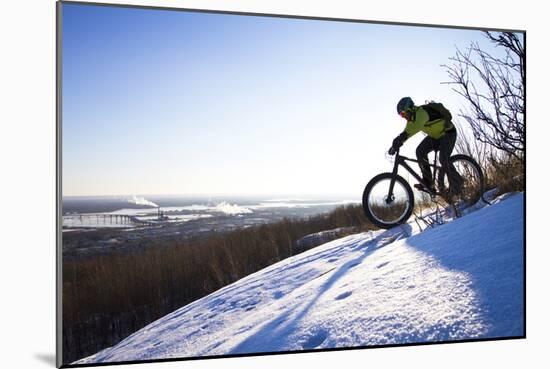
point(385, 208)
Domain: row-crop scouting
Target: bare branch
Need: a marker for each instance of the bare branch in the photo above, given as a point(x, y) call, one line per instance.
point(493, 86)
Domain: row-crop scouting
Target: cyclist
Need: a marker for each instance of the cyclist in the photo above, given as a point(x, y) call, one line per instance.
point(435, 121)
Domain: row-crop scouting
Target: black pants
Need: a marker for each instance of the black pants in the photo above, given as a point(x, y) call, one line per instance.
point(445, 145)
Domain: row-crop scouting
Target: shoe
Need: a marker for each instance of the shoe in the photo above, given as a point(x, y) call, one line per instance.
point(422, 187)
point(456, 188)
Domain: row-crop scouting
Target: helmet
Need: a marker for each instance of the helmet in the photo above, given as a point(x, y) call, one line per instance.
point(404, 104)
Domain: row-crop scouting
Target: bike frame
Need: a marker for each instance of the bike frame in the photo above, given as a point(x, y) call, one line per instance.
point(402, 161)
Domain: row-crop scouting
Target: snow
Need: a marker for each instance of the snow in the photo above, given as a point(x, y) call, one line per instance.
point(460, 280)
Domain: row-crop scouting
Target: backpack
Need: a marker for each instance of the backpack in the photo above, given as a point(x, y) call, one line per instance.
point(436, 110)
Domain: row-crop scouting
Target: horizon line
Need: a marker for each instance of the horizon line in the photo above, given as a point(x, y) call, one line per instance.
point(216, 195)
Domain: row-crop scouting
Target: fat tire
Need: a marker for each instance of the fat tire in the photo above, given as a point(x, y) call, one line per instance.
point(368, 189)
point(461, 157)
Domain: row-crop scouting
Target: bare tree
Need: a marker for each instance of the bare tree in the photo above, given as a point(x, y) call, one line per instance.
point(473, 148)
point(494, 87)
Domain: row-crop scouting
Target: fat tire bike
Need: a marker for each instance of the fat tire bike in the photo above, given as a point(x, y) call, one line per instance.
point(388, 199)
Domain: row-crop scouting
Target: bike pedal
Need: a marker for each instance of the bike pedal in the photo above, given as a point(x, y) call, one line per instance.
point(432, 192)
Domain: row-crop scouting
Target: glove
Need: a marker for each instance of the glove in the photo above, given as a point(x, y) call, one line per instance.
point(398, 142)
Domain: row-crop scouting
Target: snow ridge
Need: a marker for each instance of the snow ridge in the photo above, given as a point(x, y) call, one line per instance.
point(460, 280)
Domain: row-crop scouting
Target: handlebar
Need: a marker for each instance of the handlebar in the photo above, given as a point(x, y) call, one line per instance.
point(393, 152)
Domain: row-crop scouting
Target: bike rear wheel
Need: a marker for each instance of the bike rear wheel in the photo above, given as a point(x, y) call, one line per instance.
point(473, 182)
point(387, 210)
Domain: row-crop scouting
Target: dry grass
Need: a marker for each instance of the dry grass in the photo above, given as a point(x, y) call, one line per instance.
point(505, 172)
point(108, 297)
point(501, 170)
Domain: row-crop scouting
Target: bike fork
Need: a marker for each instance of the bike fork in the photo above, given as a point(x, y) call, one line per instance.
point(390, 197)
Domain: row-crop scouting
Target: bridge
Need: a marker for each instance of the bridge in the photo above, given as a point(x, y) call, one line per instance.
point(113, 219)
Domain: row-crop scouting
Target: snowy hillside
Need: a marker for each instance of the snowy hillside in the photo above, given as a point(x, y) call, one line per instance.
point(460, 280)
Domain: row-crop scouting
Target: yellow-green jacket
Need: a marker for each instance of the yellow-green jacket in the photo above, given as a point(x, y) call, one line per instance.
point(421, 122)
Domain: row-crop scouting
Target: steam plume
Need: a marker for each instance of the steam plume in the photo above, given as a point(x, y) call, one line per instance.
point(138, 200)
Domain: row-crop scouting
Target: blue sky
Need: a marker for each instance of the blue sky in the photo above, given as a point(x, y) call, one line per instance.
point(169, 102)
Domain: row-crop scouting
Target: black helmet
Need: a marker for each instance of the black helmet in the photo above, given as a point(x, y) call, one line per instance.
point(404, 104)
